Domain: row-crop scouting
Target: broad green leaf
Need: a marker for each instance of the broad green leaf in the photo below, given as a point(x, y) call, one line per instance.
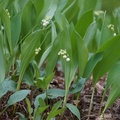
point(113, 75)
point(44, 56)
point(17, 96)
point(110, 56)
point(85, 20)
point(2, 63)
point(45, 82)
point(54, 32)
point(43, 96)
point(38, 6)
point(41, 102)
point(72, 10)
point(48, 79)
point(55, 113)
point(22, 4)
point(28, 50)
point(89, 37)
point(56, 106)
point(114, 94)
point(91, 64)
point(7, 85)
point(106, 33)
point(113, 80)
point(88, 5)
point(55, 110)
point(77, 87)
point(82, 52)
point(48, 10)
point(7, 26)
point(41, 84)
point(53, 56)
point(74, 110)
point(61, 4)
point(28, 76)
point(54, 93)
point(41, 109)
point(28, 18)
point(5, 3)
point(21, 116)
point(52, 9)
point(61, 21)
point(15, 28)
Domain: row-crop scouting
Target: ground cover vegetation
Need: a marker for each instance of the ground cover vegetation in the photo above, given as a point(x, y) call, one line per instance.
point(50, 50)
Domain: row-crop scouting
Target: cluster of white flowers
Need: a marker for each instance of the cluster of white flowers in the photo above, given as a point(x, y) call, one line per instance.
point(111, 26)
point(99, 12)
point(114, 34)
point(8, 13)
point(46, 21)
point(37, 50)
point(64, 54)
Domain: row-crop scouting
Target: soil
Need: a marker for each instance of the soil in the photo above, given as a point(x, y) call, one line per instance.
point(112, 113)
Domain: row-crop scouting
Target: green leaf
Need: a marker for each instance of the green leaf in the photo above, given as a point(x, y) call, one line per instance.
point(54, 93)
point(77, 87)
point(53, 56)
point(7, 26)
point(112, 81)
point(113, 75)
point(71, 11)
point(110, 56)
point(16, 28)
point(41, 109)
point(41, 102)
point(55, 113)
point(28, 76)
point(22, 4)
point(17, 96)
point(114, 94)
point(85, 20)
point(82, 52)
point(38, 6)
point(41, 84)
point(48, 9)
point(54, 32)
point(106, 33)
point(45, 82)
point(89, 37)
point(61, 21)
point(21, 116)
point(49, 79)
point(91, 64)
point(28, 50)
point(28, 18)
point(74, 110)
point(55, 110)
point(56, 106)
point(7, 85)
point(44, 56)
point(2, 64)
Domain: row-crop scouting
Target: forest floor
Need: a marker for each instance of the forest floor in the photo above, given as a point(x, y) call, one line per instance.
point(112, 113)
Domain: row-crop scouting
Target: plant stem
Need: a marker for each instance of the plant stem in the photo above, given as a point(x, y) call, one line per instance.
point(65, 99)
point(3, 111)
point(64, 104)
point(101, 103)
point(78, 95)
point(91, 101)
point(18, 84)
